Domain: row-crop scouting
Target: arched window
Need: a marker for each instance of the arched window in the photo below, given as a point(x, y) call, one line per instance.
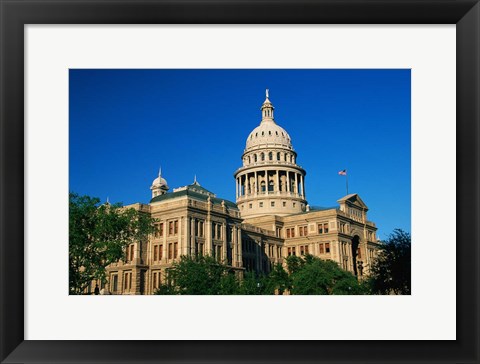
point(248, 159)
point(278, 156)
point(285, 157)
point(270, 186)
point(270, 156)
point(255, 158)
point(262, 186)
point(262, 157)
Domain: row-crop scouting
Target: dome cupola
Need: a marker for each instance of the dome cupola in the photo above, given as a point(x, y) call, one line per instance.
point(159, 185)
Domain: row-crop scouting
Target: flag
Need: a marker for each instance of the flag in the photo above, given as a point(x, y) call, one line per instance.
point(343, 172)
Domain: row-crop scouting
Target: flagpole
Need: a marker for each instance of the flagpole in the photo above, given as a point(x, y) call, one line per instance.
point(346, 175)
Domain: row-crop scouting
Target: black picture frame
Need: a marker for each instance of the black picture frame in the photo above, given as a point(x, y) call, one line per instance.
point(15, 14)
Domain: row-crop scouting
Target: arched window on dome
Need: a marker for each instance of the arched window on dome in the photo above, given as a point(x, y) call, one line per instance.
point(276, 133)
point(248, 159)
point(262, 156)
point(278, 156)
point(269, 132)
point(285, 157)
point(263, 133)
point(270, 156)
point(255, 158)
point(270, 186)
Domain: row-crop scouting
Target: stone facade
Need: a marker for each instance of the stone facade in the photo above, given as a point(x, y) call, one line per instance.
point(269, 221)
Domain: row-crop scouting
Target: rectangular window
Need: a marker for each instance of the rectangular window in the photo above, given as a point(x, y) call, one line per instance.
point(200, 228)
point(303, 230)
point(261, 204)
point(157, 230)
point(284, 204)
point(302, 250)
point(320, 249)
point(323, 228)
point(175, 250)
point(306, 249)
point(289, 251)
point(272, 203)
point(170, 251)
point(155, 253)
point(249, 205)
point(160, 252)
point(132, 251)
point(293, 251)
point(160, 229)
point(327, 248)
point(170, 228)
point(114, 280)
point(175, 224)
point(288, 233)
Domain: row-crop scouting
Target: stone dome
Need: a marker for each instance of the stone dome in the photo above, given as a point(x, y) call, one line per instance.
point(268, 132)
point(159, 181)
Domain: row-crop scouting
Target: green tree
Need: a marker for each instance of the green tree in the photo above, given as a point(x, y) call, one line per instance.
point(98, 236)
point(202, 275)
point(314, 276)
point(278, 280)
point(391, 271)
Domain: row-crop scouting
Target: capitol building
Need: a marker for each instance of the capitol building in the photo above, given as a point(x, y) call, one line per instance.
point(269, 220)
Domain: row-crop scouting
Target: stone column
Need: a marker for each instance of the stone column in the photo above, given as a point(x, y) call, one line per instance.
point(278, 181)
point(164, 242)
point(224, 240)
point(303, 185)
point(239, 247)
point(180, 238)
point(296, 183)
point(256, 183)
point(192, 237)
point(236, 188)
point(288, 181)
point(186, 247)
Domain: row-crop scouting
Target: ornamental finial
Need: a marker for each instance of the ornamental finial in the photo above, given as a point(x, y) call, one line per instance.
point(266, 92)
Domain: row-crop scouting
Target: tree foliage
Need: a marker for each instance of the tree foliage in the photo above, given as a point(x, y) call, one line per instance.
point(202, 275)
point(314, 276)
point(391, 271)
point(98, 236)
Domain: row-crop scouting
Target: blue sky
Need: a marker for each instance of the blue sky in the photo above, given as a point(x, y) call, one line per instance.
point(125, 124)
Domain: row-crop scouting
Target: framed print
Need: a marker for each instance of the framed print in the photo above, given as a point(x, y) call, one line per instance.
point(70, 50)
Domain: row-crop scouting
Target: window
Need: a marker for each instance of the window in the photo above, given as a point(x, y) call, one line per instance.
point(278, 154)
point(320, 249)
point(293, 251)
point(255, 158)
point(289, 251)
point(200, 229)
point(270, 156)
point(160, 252)
point(284, 204)
point(175, 224)
point(114, 282)
point(290, 232)
point(323, 228)
point(303, 230)
point(262, 157)
point(272, 204)
point(327, 248)
point(249, 205)
point(127, 281)
point(170, 251)
point(260, 204)
point(155, 253)
point(170, 228)
point(159, 230)
point(302, 250)
point(156, 280)
point(306, 249)
point(262, 186)
point(175, 250)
